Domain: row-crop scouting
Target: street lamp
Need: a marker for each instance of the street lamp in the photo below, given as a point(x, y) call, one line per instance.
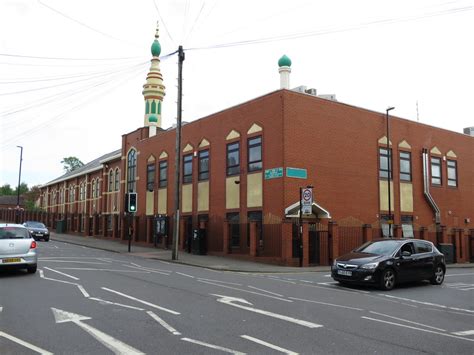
point(18, 188)
point(389, 153)
point(301, 223)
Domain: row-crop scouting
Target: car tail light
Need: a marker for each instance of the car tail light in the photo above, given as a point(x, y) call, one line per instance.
point(33, 245)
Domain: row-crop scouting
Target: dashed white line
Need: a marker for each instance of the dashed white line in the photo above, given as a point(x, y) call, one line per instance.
point(222, 282)
point(212, 346)
point(163, 323)
point(83, 291)
point(326, 304)
point(465, 332)
point(141, 301)
point(427, 303)
point(155, 271)
point(247, 291)
point(407, 321)
point(271, 346)
point(25, 344)
point(183, 274)
point(115, 303)
point(62, 273)
point(260, 289)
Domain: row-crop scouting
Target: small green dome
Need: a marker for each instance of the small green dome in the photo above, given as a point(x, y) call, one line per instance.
point(284, 61)
point(153, 119)
point(156, 48)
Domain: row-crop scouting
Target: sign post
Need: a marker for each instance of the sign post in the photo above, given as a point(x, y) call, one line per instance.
point(306, 207)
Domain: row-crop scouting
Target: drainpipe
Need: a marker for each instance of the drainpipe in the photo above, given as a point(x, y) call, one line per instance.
point(426, 191)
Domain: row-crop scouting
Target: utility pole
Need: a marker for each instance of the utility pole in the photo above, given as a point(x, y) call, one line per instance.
point(18, 188)
point(178, 155)
point(389, 153)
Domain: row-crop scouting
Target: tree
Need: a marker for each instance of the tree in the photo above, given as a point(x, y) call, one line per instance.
point(6, 190)
point(71, 164)
point(31, 197)
point(23, 189)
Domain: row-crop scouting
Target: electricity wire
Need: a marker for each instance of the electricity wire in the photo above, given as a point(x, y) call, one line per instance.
point(163, 22)
point(63, 58)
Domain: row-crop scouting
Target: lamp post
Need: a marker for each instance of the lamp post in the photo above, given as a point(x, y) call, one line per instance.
point(389, 153)
point(18, 188)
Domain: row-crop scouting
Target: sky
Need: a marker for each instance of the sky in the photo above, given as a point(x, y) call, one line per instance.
point(72, 72)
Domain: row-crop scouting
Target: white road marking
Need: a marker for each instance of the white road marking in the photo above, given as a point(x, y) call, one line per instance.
point(278, 279)
point(213, 346)
point(460, 286)
point(141, 301)
point(271, 346)
point(466, 332)
point(113, 344)
point(55, 246)
point(259, 289)
point(408, 321)
point(74, 262)
point(428, 303)
point(326, 304)
point(91, 269)
point(62, 273)
point(163, 262)
point(222, 282)
point(83, 291)
point(328, 275)
point(420, 329)
point(180, 273)
point(116, 304)
point(330, 283)
point(246, 291)
point(310, 282)
point(163, 323)
point(135, 265)
point(230, 301)
point(156, 271)
point(25, 344)
point(467, 274)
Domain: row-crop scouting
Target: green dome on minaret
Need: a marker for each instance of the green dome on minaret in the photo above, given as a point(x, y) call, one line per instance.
point(284, 61)
point(153, 119)
point(156, 48)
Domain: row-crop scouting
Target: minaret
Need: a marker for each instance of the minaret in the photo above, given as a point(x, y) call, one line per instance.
point(284, 69)
point(154, 90)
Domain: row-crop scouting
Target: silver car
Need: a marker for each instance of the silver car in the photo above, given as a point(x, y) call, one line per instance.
point(17, 247)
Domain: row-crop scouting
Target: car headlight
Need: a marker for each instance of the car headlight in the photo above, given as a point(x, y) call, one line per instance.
point(334, 263)
point(369, 266)
point(32, 231)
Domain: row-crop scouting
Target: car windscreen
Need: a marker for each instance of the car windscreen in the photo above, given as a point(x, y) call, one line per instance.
point(386, 247)
point(13, 233)
point(35, 225)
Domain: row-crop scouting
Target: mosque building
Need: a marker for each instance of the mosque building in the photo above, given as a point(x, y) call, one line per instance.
point(243, 169)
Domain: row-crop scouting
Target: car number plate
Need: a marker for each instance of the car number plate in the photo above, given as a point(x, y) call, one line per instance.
point(11, 260)
point(344, 272)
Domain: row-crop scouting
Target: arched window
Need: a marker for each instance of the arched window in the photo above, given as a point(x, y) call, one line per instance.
point(147, 107)
point(93, 189)
point(97, 192)
point(131, 170)
point(153, 107)
point(111, 180)
point(159, 107)
point(117, 179)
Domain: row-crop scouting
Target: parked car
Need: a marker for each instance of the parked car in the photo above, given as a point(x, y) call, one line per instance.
point(17, 247)
point(385, 263)
point(38, 230)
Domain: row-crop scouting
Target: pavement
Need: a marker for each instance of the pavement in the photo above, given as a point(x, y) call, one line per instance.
point(213, 262)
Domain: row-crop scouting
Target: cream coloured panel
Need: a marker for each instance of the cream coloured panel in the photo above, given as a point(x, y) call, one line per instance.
point(406, 197)
point(383, 192)
point(232, 192)
point(162, 201)
point(203, 196)
point(254, 190)
point(150, 203)
point(187, 202)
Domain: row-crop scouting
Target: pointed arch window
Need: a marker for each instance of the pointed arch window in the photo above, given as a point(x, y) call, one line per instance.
point(131, 170)
point(111, 180)
point(159, 107)
point(147, 107)
point(153, 107)
point(93, 189)
point(117, 179)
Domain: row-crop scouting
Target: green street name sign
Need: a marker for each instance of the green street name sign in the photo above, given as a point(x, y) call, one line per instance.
point(296, 173)
point(273, 173)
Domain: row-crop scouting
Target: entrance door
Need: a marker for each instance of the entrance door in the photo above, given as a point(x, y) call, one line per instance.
point(188, 232)
point(314, 243)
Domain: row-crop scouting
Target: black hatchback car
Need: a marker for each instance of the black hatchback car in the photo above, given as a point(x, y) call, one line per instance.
point(386, 262)
point(37, 230)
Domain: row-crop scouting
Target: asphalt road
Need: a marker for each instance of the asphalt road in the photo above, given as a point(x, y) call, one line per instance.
point(87, 301)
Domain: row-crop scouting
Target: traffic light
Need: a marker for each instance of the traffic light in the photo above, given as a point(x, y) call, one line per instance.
point(132, 202)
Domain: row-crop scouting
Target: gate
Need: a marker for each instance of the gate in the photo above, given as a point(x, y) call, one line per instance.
point(318, 239)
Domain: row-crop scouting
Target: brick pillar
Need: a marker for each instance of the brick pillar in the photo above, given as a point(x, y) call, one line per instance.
point(253, 239)
point(458, 240)
point(333, 231)
point(305, 244)
point(445, 238)
point(149, 229)
point(367, 232)
point(114, 226)
point(182, 234)
point(287, 242)
point(104, 225)
point(423, 233)
point(225, 238)
point(397, 231)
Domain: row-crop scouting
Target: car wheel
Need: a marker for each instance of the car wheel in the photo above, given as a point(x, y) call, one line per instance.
point(46, 239)
point(387, 280)
point(438, 276)
point(31, 269)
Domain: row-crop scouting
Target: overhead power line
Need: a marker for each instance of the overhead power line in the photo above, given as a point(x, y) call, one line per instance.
point(64, 58)
point(162, 21)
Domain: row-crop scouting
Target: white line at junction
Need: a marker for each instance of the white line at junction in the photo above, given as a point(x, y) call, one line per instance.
point(466, 332)
point(25, 344)
point(246, 291)
point(62, 273)
point(326, 304)
point(212, 346)
point(271, 346)
point(260, 289)
point(183, 274)
point(407, 321)
point(163, 323)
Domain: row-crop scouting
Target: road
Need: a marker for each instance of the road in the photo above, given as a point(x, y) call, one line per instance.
point(87, 301)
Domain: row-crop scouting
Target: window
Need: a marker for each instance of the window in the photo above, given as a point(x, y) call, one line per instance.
point(384, 161)
point(147, 107)
point(97, 188)
point(82, 193)
point(436, 171)
point(153, 107)
point(131, 170)
point(203, 165)
point(407, 226)
point(386, 223)
point(405, 166)
point(233, 159)
point(150, 177)
point(111, 181)
point(234, 224)
point(422, 247)
point(163, 174)
point(255, 154)
point(452, 173)
point(117, 179)
point(187, 168)
point(93, 189)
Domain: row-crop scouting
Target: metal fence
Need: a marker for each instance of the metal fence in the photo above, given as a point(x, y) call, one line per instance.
point(350, 238)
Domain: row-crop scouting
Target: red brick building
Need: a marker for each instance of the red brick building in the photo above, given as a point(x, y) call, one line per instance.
point(243, 167)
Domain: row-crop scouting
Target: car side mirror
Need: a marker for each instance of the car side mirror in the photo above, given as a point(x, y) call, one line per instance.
point(406, 254)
